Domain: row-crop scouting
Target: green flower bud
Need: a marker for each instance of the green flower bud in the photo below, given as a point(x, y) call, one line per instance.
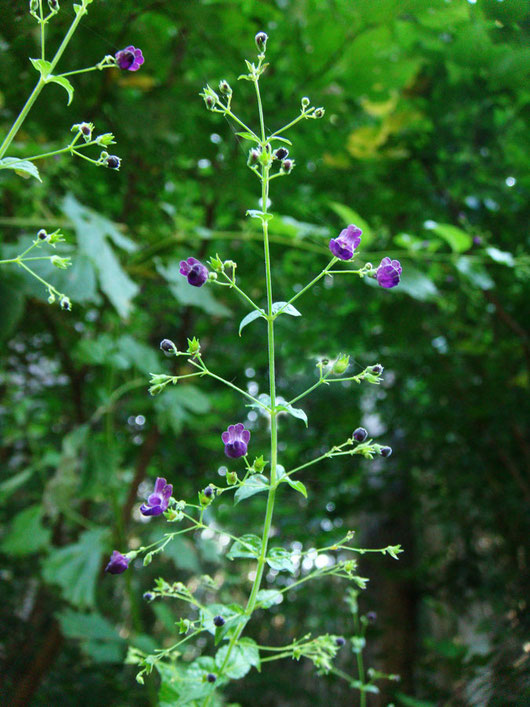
point(341, 364)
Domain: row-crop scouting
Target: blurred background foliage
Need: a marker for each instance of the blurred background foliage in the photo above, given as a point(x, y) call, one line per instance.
point(423, 145)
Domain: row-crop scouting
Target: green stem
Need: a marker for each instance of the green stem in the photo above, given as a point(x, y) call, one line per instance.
point(42, 33)
point(289, 125)
point(39, 86)
point(360, 661)
point(307, 287)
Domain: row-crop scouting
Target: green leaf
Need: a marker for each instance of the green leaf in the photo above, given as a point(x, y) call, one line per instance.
point(254, 484)
point(414, 283)
point(7, 488)
point(280, 559)
point(248, 136)
point(349, 216)
point(178, 404)
point(26, 533)
point(458, 240)
point(501, 256)
point(269, 597)
point(23, 168)
point(238, 664)
point(99, 638)
point(75, 568)
point(289, 309)
point(475, 273)
point(295, 412)
point(250, 317)
point(256, 213)
point(407, 701)
point(250, 651)
point(297, 486)
point(42, 66)
point(247, 546)
point(229, 613)
point(65, 84)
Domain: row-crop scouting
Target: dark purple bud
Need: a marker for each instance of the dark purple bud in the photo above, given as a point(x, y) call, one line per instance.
point(168, 347)
point(236, 439)
point(42, 235)
point(360, 434)
point(65, 304)
point(388, 273)
point(118, 563)
point(210, 101)
point(211, 677)
point(148, 596)
point(218, 621)
point(287, 166)
point(129, 59)
point(477, 240)
point(158, 501)
point(281, 153)
point(113, 162)
point(209, 492)
point(371, 617)
point(346, 242)
point(225, 88)
point(340, 641)
point(377, 369)
point(85, 129)
point(385, 451)
point(195, 271)
point(261, 41)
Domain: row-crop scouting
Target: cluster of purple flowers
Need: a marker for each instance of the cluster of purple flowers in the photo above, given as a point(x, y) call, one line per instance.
point(388, 273)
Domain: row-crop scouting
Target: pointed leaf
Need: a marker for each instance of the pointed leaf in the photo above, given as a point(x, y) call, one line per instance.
point(250, 318)
point(248, 136)
point(23, 168)
point(269, 597)
point(289, 309)
point(295, 412)
point(458, 240)
point(254, 484)
point(65, 84)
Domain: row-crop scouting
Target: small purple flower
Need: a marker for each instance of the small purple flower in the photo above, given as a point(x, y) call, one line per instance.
point(236, 439)
point(343, 246)
point(195, 271)
point(388, 274)
point(129, 59)
point(218, 621)
point(118, 563)
point(360, 434)
point(158, 501)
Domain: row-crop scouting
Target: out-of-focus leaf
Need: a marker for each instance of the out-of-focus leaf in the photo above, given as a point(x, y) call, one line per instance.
point(349, 216)
point(475, 273)
point(501, 256)
point(458, 240)
point(176, 405)
point(26, 533)
point(99, 638)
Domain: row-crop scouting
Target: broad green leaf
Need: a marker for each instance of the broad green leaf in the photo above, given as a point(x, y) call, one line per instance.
point(475, 273)
point(238, 663)
point(269, 597)
point(26, 533)
point(75, 568)
point(250, 651)
point(280, 559)
point(247, 546)
point(178, 404)
point(62, 81)
point(289, 309)
point(254, 484)
point(250, 317)
point(23, 168)
point(93, 235)
point(99, 638)
point(349, 216)
point(187, 295)
point(501, 256)
point(458, 240)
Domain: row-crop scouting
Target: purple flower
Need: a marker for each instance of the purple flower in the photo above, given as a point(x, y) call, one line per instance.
point(360, 434)
point(158, 501)
point(236, 439)
point(347, 241)
point(130, 58)
point(195, 271)
point(118, 563)
point(388, 274)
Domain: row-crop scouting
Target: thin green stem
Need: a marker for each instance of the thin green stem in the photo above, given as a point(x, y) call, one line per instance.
point(228, 383)
point(42, 33)
point(231, 283)
point(307, 287)
point(289, 125)
point(360, 661)
point(85, 71)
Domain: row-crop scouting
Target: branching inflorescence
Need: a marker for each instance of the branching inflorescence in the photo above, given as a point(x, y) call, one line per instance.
point(197, 682)
point(84, 137)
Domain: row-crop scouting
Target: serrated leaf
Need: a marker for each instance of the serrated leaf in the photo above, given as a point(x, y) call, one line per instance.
point(269, 597)
point(254, 484)
point(247, 546)
point(21, 167)
point(250, 318)
point(62, 81)
point(279, 558)
point(238, 663)
point(250, 651)
point(248, 136)
point(289, 309)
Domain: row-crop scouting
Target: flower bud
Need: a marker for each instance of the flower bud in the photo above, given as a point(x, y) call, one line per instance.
point(305, 102)
point(371, 617)
point(33, 6)
point(385, 451)
point(65, 304)
point(211, 677)
point(280, 154)
point(261, 41)
point(319, 112)
point(360, 434)
point(51, 298)
point(377, 369)
point(218, 621)
point(168, 347)
point(340, 641)
point(86, 130)
point(253, 157)
point(53, 5)
point(42, 235)
point(287, 166)
point(225, 88)
point(341, 364)
point(113, 162)
point(231, 478)
point(209, 492)
point(212, 276)
point(58, 262)
point(148, 596)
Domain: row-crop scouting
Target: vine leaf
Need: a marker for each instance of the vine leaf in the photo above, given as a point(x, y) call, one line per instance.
point(250, 317)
